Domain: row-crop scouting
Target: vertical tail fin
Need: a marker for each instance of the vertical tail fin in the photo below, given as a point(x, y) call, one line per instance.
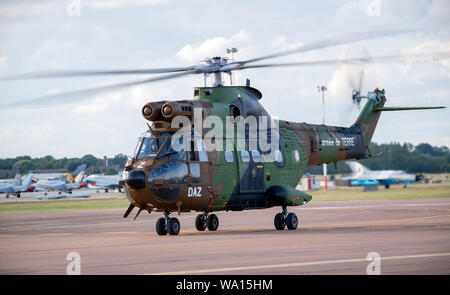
point(80, 177)
point(368, 118)
point(79, 169)
point(17, 180)
point(28, 179)
point(357, 168)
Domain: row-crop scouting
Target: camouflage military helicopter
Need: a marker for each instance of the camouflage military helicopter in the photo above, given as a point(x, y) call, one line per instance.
point(192, 177)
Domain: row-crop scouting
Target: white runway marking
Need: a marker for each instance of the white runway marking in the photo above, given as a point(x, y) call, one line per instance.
point(285, 265)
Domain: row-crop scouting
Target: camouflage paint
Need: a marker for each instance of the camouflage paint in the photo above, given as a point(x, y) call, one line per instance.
point(221, 182)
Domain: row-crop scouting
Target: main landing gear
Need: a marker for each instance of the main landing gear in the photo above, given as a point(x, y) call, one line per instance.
point(284, 219)
point(204, 221)
point(166, 225)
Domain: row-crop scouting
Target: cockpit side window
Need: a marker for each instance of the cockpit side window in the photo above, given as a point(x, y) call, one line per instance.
point(171, 172)
point(193, 154)
point(138, 145)
point(168, 151)
point(197, 150)
point(150, 146)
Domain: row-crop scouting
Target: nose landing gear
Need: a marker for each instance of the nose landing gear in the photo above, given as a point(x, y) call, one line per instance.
point(284, 219)
point(166, 225)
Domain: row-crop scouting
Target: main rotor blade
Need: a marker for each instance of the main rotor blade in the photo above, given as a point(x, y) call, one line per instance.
point(81, 73)
point(329, 42)
point(64, 97)
point(364, 60)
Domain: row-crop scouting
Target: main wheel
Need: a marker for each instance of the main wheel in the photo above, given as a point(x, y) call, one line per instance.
point(174, 226)
point(292, 221)
point(200, 223)
point(161, 228)
point(279, 221)
point(213, 222)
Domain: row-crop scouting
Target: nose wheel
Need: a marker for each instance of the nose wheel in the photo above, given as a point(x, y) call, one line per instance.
point(166, 225)
point(204, 221)
point(284, 219)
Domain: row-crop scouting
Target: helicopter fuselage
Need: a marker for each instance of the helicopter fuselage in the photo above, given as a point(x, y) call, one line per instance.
point(159, 178)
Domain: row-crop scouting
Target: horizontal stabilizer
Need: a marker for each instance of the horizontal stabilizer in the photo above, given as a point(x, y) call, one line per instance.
point(385, 109)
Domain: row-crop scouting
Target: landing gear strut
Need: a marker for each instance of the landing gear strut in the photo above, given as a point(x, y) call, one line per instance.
point(284, 219)
point(204, 221)
point(166, 225)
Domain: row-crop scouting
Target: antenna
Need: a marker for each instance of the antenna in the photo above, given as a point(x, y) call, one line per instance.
point(323, 89)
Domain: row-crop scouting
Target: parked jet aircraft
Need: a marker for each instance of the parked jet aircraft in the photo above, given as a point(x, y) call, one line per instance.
point(18, 186)
point(59, 184)
point(104, 182)
point(364, 176)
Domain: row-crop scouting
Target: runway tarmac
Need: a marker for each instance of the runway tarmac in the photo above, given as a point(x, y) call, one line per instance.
point(412, 236)
point(93, 192)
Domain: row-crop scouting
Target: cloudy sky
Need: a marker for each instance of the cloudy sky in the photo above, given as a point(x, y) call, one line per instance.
point(119, 34)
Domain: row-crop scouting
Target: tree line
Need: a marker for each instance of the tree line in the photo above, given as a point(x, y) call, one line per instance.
point(23, 164)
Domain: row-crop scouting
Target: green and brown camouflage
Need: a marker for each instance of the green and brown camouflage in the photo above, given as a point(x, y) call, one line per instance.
point(232, 177)
point(213, 183)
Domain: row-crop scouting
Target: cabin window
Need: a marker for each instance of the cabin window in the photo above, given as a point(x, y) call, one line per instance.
point(256, 156)
point(229, 156)
point(278, 156)
point(245, 156)
point(235, 112)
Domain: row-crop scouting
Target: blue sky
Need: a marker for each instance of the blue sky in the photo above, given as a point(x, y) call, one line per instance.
point(40, 35)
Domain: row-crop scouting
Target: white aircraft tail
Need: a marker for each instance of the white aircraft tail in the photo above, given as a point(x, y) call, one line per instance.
point(28, 180)
point(17, 180)
point(357, 168)
point(80, 177)
point(79, 169)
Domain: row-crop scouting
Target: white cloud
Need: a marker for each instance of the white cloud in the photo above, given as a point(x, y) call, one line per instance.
point(112, 4)
point(3, 62)
point(282, 44)
point(98, 104)
point(51, 53)
point(212, 47)
point(22, 8)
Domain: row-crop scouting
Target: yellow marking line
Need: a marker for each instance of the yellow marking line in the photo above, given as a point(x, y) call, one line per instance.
point(119, 232)
point(285, 265)
point(57, 234)
point(382, 227)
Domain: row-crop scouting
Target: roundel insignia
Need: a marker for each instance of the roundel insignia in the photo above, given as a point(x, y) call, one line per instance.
point(297, 156)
